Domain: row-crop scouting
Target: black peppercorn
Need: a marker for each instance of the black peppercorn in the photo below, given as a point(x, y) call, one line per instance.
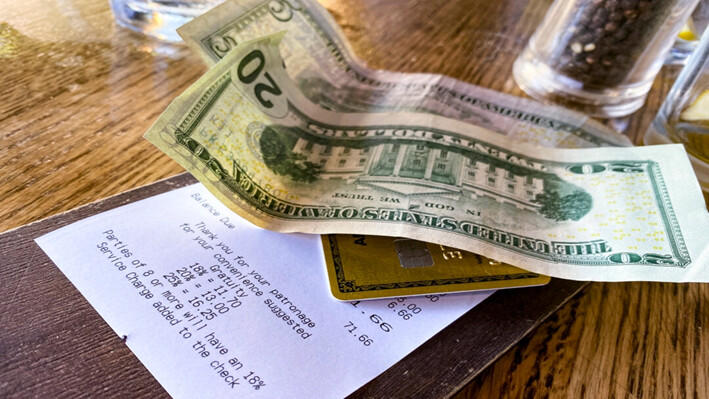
point(606, 38)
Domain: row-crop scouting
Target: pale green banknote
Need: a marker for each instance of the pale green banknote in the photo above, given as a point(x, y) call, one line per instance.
point(617, 213)
point(319, 59)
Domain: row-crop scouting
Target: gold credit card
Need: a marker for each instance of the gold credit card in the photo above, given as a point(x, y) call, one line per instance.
point(369, 267)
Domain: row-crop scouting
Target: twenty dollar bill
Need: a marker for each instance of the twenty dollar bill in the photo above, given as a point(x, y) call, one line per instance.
point(284, 163)
point(320, 61)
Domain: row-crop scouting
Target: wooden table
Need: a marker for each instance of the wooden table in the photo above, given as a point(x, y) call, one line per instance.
point(77, 93)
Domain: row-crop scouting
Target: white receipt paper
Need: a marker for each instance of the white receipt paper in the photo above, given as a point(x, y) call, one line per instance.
point(217, 308)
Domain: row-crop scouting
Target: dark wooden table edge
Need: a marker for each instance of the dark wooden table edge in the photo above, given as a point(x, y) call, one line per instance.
point(440, 367)
point(443, 365)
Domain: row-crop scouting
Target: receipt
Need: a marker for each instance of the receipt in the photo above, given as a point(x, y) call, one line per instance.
point(216, 307)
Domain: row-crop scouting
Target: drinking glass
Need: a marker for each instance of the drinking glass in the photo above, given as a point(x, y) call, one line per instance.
point(689, 37)
point(684, 115)
point(159, 18)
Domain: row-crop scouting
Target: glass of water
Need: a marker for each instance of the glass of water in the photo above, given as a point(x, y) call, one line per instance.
point(159, 18)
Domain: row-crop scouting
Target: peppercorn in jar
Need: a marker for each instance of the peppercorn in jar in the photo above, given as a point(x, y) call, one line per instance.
point(600, 55)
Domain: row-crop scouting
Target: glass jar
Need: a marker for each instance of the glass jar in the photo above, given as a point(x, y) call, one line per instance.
point(600, 56)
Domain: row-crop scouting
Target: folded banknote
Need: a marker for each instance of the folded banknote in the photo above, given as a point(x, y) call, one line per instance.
point(323, 66)
point(615, 213)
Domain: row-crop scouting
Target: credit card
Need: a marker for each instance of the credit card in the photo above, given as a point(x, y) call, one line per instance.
point(369, 267)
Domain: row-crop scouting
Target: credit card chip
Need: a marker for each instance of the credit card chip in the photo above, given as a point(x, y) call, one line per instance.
point(413, 253)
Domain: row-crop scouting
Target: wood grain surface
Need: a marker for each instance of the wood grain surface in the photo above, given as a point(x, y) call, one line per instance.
point(78, 92)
